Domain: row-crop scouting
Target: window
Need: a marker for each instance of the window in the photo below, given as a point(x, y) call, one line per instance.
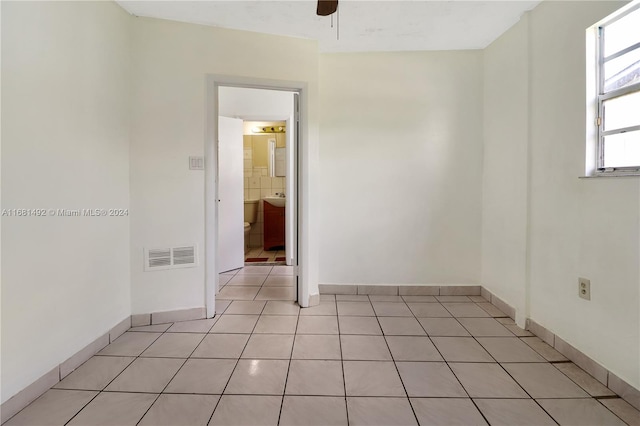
point(618, 93)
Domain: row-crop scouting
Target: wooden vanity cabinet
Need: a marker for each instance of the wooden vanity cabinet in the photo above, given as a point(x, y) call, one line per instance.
point(274, 227)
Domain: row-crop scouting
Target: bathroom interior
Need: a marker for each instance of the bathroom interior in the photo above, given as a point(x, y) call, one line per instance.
point(264, 162)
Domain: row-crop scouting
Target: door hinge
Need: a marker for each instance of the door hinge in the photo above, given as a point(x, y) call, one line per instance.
point(599, 121)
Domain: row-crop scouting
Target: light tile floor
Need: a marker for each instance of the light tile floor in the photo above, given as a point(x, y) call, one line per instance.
point(271, 255)
point(359, 360)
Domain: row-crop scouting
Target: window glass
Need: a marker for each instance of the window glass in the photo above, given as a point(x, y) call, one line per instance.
point(622, 149)
point(622, 33)
point(621, 112)
point(622, 71)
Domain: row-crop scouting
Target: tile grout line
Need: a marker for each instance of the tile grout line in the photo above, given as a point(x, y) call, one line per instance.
point(118, 375)
point(447, 363)
point(384, 337)
point(344, 379)
point(286, 379)
point(499, 364)
point(236, 364)
point(179, 369)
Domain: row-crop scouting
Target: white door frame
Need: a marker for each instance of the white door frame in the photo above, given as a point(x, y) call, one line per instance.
point(212, 83)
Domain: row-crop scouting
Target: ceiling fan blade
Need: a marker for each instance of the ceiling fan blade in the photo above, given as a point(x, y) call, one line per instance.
point(327, 7)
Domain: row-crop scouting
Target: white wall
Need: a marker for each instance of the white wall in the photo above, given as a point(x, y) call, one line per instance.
point(65, 121)
point(170, 62)
point(505, 173)
point(255, 104)
point(577, 227)
point(401, 168)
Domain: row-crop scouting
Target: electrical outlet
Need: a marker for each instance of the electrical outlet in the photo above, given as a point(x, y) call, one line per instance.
point(584, 288)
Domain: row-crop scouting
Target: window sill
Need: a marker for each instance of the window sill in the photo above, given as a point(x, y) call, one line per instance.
point(611, 175)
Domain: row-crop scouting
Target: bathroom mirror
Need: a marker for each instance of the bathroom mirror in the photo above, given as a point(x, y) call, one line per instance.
point(265, 153)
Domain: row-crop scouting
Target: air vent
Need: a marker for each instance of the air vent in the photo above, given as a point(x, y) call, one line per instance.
point(184, 255)
point(170, 258)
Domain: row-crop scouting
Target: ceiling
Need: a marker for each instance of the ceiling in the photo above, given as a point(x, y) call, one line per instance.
point(364, 25)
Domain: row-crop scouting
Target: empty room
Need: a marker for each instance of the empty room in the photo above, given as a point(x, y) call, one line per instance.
point(320, 212)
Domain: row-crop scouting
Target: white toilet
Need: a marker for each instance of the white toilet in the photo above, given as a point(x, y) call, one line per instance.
point(250, 217)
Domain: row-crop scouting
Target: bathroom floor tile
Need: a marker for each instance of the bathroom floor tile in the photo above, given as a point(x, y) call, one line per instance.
point(372, 378)
point(401, 326)
point(428, 310)
point(391, 309)
point(243, 410)
point(221, 346)
point(544, 381)
point(276, 324)
point(579, 412)
point(483, 380)
point(313, 377)
point(412, 348)
point(513, 412)
point(355, 309)
point(484, 327)
point(146, 375)
point(202, 376)
point(96, 373)
point(310, 346)
point(54, 407)
point(196, 326)
point(380, 411)
point(359, 325)
point(364, 348)
point(447, 411)
point(184, 410)
point(429, 379)
point(313, 411)
point(174, 345)
point(130, 344)
point(235, 324)
point(509, 349)
point(443, 327)
point(461, 349)
point(317, 325)
point(269, 346)
point(114, 409)
point(257, 377)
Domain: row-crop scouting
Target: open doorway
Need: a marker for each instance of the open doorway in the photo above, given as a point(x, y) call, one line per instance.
point(246, 106)
point(267, 173)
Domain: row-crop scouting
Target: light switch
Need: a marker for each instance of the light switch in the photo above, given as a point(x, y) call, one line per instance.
point(196, 163)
